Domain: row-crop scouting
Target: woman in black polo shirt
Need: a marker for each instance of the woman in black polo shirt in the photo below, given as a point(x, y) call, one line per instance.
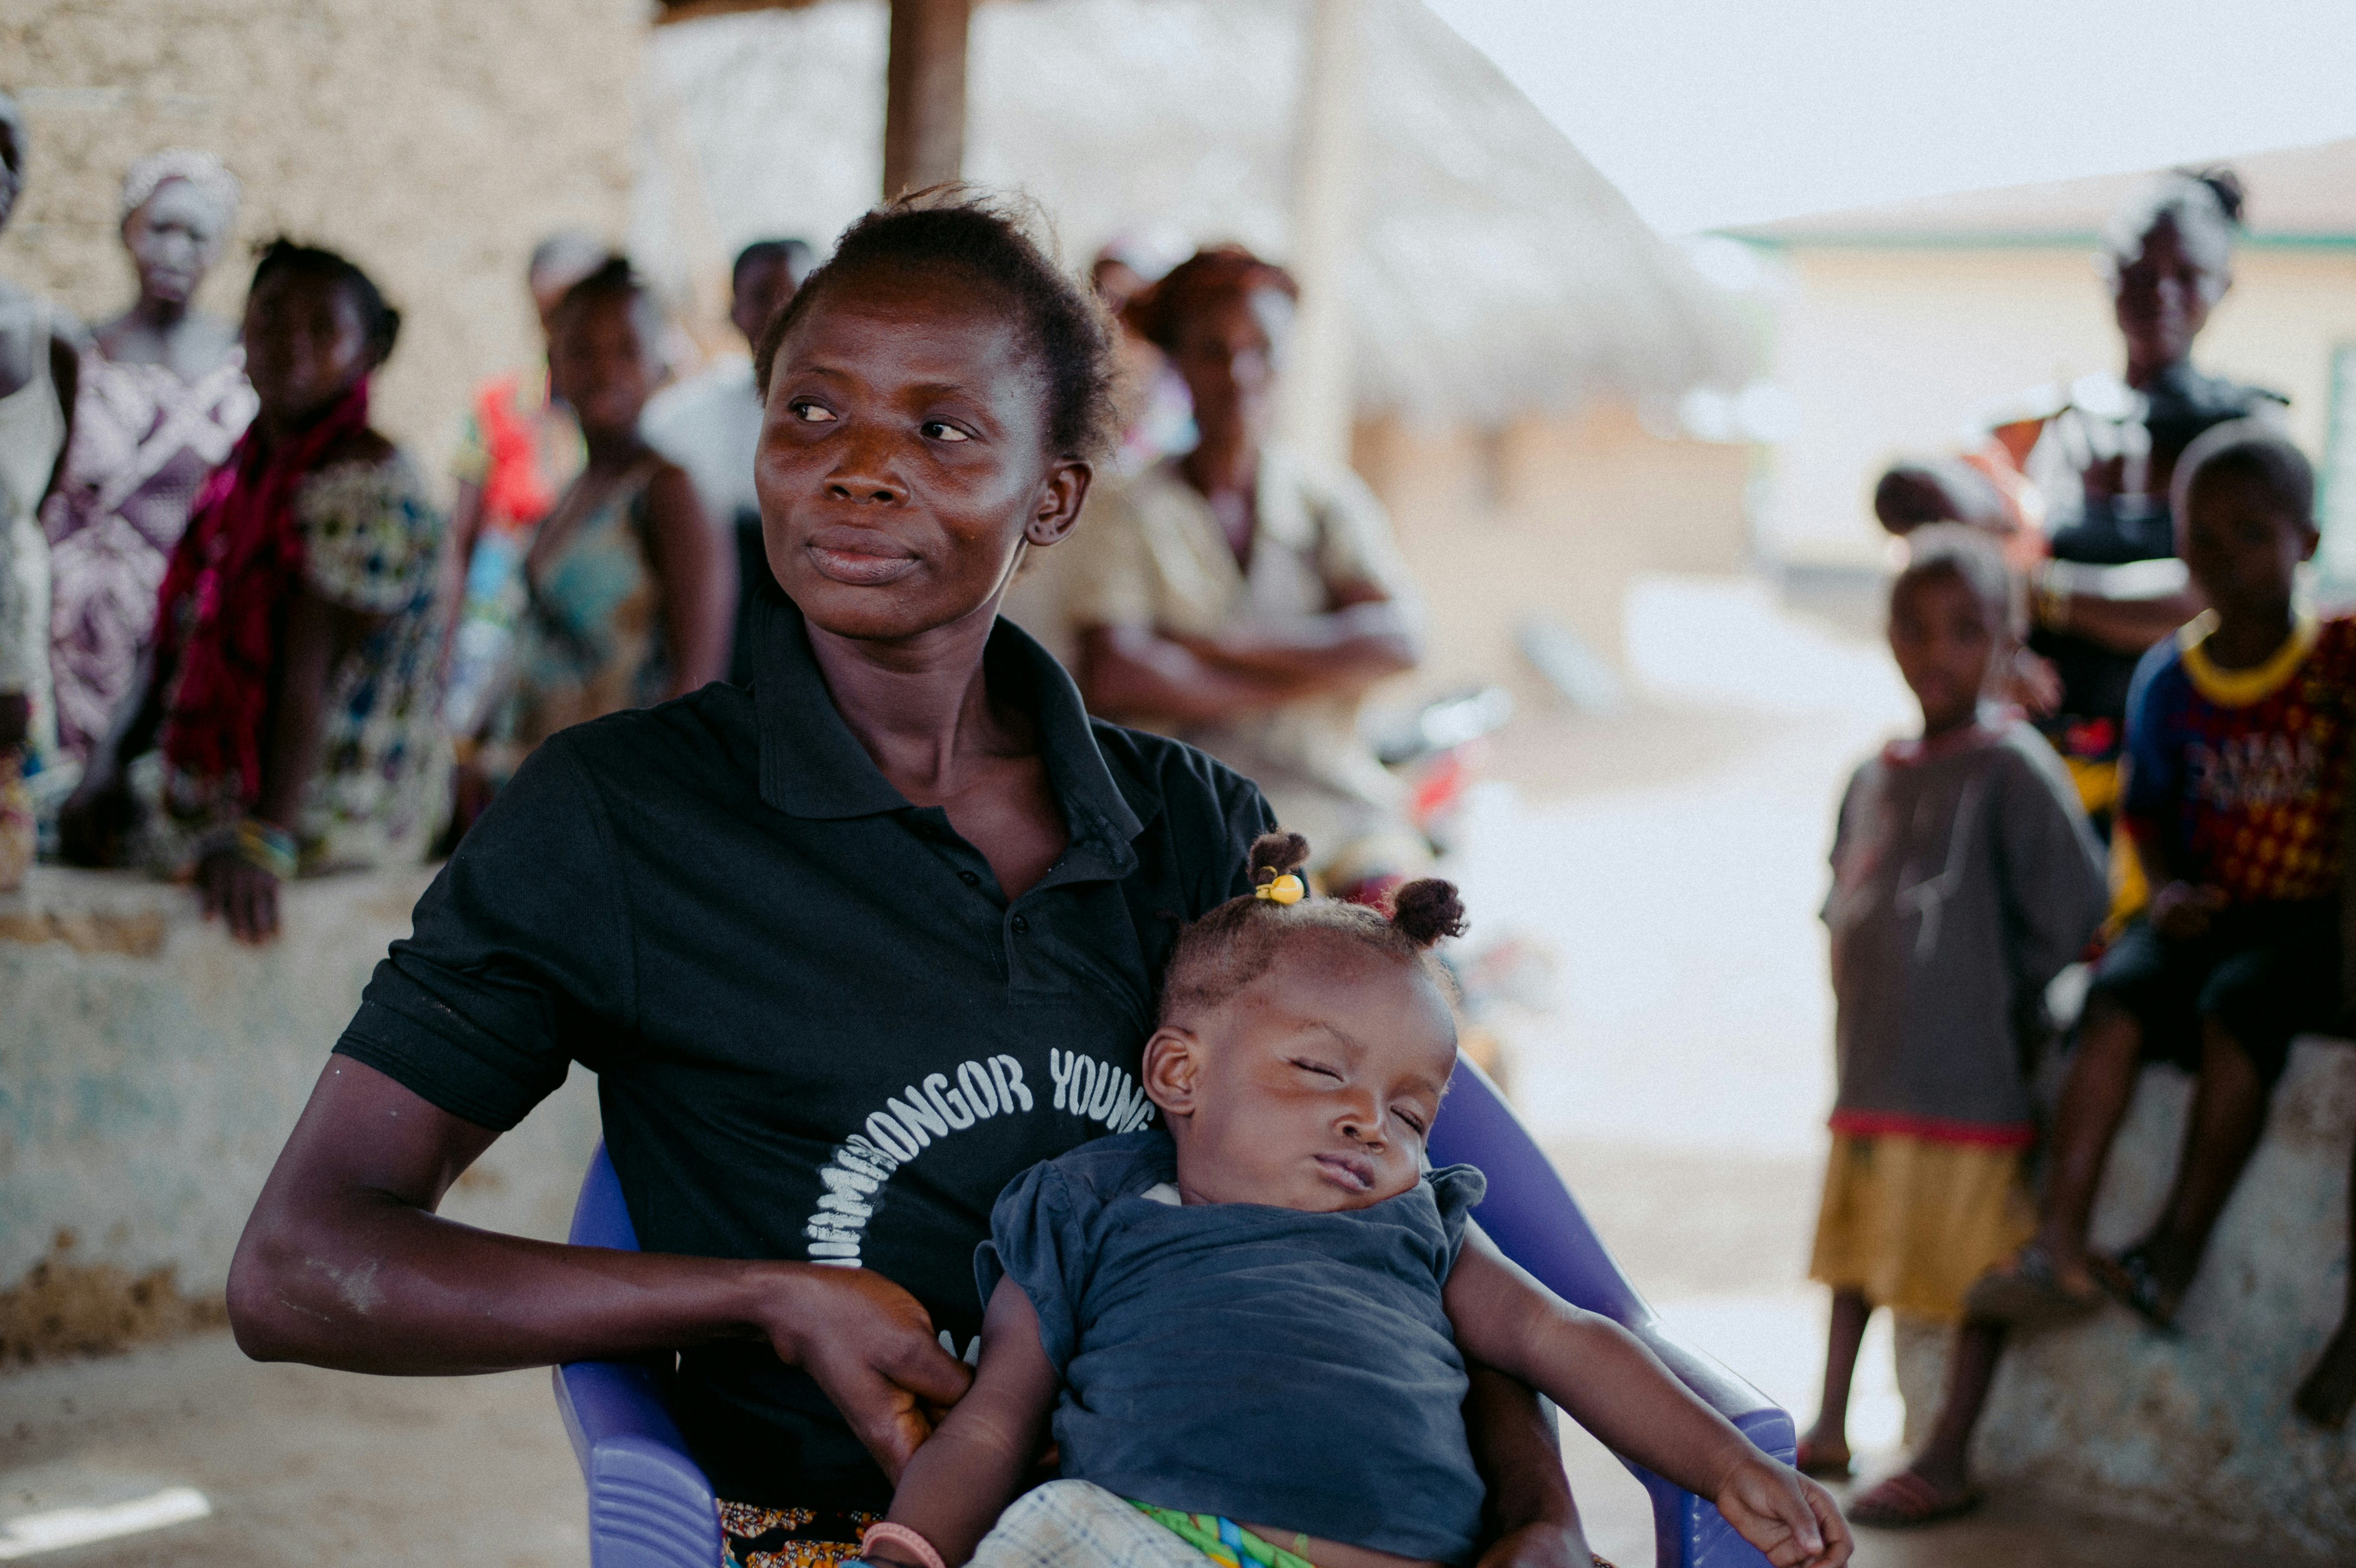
point(847, 950)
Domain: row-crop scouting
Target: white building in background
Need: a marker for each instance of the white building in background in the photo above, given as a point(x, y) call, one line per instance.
point(1898, 326)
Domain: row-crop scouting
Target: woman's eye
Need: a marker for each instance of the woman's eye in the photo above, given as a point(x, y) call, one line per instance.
point(810, 412)
point(937, 429)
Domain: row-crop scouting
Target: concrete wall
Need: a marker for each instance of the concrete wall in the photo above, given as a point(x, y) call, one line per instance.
point(1552, 515)
point(2197, 1430)
point(150, 1068)
point(1889, 351)
point(433, 141)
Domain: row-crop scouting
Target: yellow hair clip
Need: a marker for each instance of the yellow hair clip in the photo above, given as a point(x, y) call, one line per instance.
point(1286, 889)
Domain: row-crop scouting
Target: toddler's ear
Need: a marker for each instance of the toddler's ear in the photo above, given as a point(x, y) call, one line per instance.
point(1174, 1058)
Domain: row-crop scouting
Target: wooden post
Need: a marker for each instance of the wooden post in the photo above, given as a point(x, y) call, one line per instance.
point(924, 111)
point(1314, 414)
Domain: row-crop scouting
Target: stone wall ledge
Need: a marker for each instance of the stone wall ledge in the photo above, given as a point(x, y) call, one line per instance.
point(2195, 1431)
point(150, 1069)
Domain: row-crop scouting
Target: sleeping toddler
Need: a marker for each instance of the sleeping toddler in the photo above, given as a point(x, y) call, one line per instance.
point(1251, 1329)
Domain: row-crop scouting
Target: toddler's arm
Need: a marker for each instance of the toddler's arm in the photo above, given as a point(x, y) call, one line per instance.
point(969, 1469)
point(1615, 1388)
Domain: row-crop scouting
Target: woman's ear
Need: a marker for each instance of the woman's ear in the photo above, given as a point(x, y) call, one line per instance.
point(1173, 1059)
point(1061, 496)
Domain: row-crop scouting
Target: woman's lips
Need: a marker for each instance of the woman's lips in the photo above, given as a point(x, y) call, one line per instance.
point(1346, 1172)
point(859, 556)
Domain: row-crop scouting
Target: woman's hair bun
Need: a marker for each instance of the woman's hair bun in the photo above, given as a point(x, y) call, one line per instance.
point(2227, 187)
point(1423, 912)
point(1273, 854)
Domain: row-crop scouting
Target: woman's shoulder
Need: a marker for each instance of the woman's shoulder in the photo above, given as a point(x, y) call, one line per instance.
point(1207, 802)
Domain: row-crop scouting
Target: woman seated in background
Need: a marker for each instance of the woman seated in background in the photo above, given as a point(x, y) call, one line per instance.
point(632, 597)
point(1245, 600)
point(286, 721)
point(163, 399)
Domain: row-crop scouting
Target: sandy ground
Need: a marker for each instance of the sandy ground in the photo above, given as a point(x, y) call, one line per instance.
point(1671, 856)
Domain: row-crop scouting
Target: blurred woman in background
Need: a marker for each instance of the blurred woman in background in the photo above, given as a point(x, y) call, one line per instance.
point(1242, 598)
point(287, 719)
point(163, 399)
point(631, 596)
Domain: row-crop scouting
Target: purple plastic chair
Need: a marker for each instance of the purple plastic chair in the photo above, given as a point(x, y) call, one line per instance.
point(650, 1507)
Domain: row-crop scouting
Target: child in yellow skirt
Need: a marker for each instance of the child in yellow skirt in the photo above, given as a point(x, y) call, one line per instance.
point(1964, 877)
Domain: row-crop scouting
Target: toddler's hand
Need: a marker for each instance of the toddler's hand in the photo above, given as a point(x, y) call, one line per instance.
point(1786, 1515)
point(2180, 910)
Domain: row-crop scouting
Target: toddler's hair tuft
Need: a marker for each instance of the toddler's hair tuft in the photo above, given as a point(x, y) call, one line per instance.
point(1235, 943)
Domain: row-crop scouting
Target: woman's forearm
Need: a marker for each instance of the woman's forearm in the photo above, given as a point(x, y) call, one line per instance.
point(364, 1282)
point(299, 716)
point(344, 1263)
point(1519, 1455)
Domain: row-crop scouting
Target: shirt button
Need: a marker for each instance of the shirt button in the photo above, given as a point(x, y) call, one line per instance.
point(1021, 925)
point(969, 879)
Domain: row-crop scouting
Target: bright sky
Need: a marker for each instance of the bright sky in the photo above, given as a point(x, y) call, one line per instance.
point(1713, 113)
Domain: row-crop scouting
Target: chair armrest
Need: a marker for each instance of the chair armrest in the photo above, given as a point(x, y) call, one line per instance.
point(1533, 1218)
point(649, 1504)
point(1753, 1414)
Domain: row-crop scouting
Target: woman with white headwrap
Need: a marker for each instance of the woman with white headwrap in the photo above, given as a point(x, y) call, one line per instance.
point(163, 399)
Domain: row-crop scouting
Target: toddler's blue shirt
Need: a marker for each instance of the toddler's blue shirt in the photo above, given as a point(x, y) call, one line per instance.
point(1263, 1364)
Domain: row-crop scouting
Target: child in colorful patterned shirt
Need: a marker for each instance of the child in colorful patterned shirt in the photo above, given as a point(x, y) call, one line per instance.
point(2237, 772)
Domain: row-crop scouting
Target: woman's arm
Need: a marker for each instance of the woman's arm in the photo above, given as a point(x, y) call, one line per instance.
point(1138, 670)
point(344, 1263)
point(1364, 639)
point(317, 635)
point(96, 818)
point(65, 374)
point(457, 557)
point(961, 1480)
point(1515, 1447)
point(699, 581)
point(1619, 1390)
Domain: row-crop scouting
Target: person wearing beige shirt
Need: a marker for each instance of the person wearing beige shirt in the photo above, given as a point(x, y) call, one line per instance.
point(1242, 598)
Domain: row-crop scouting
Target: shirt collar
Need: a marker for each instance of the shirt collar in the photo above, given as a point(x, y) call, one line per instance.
point(813, 767)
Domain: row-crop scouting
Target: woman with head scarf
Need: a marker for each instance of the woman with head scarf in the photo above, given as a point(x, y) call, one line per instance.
point(37, 399)
point(1242, 597)
point(163, 399)
point(287, 718)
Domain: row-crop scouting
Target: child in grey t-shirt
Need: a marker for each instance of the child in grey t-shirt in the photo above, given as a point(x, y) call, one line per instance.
point(1252, 1329)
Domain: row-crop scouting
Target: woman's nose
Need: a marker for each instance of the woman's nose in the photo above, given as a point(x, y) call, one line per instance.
point(864, 476)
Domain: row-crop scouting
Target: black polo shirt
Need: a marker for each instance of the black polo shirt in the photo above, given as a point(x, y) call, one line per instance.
point(820, 1031)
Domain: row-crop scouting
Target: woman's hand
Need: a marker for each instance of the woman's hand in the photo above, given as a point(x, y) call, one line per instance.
point(870, 1347)
point(1786, 1515)
point(241, 891)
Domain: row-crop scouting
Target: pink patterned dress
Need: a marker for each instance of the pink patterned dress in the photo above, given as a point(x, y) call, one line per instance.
point(143, 441)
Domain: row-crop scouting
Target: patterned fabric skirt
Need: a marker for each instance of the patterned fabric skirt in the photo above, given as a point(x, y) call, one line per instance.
point(754, 1537)
point(1078, 1524)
